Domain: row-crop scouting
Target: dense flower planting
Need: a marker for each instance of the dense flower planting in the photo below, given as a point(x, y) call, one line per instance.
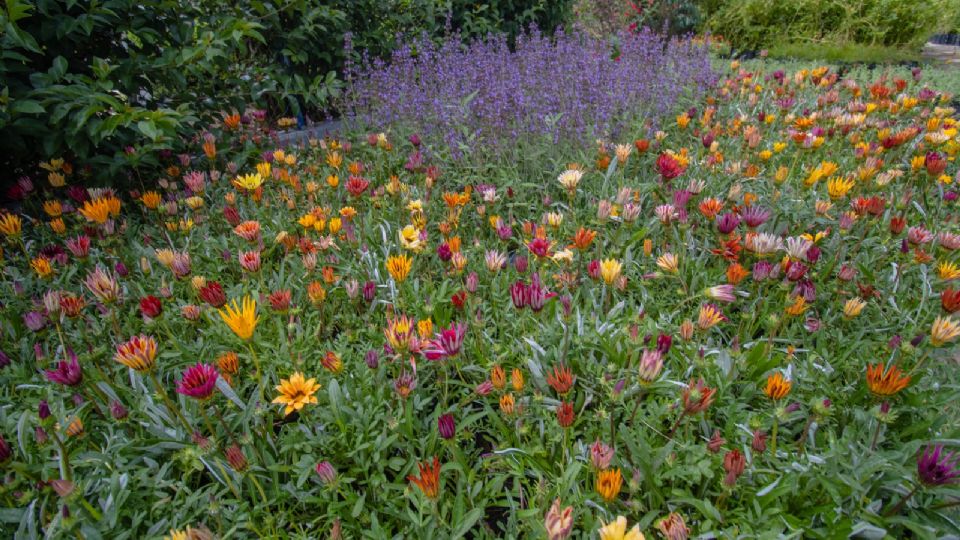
point(743, 324)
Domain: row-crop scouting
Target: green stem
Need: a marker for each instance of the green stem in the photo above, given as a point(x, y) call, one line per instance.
point(773, 435)
point(170, 407)
point(64, 457)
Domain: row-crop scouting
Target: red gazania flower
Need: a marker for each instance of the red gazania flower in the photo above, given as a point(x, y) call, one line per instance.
point(459, 299)
point(935, 164)
point(539, 247)
point(280, 300)
point(356, 185)
point(212, 293)
point(429, 479)
point(565, 414)
point(897, 223)
point(151, 307)
point(561, 379)
point(668, 167)
point(950, 300)
point(199, 381)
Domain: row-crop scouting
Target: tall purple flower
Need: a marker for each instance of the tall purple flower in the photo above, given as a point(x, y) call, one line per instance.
point(936, 467)
point(67, 373)
point(198, 381)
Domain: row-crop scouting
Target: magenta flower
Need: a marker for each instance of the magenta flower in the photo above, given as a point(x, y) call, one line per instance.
point(199, 381)
point(66, 373)
point(447, 343)
point(446, 426)
point(936, 468)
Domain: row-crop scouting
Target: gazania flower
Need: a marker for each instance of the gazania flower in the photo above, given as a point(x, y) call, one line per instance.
point(67, 373)
point(610, 270)
point(96, 210)
point(565, 414)
point(948, 271)
point(950, 300)
point(42, 266)
point(853, 307)
point(886, 381)
point(697, 397)
point(777, 387)
point(332, 362)
point(559, 522)
point(561, 380)
point(569, 179)
point(212, 293)
point(670, 166)
point(248, 182)
point(668, 262)
point(617, 530)
point(198, 381)
point(936, 467)
point(400, 334)
point(296, 392)
point(250, 260)
point(673, 527)
point(399, 267)
point(608, 484)
point(138, 353)
point(429, 479)
point(102, 285)
point(410, 238)
point(280, 300)
point(242, 320)
point(248, 230)
point(720, 293)
point(448, 343)
point(494, 260)
point(944, 330)
point(710, 315)
point(651, 363)
point(10, 224)
point(583, 238)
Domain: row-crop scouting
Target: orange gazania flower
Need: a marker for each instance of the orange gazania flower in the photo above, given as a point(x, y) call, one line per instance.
point(583, 238)
point(736, 273)
point(884, 381)
point(608, 484)
point(231, 121)
point(710, 207)
point(429, 479)
point(498, 377)
point(96, 210)
point(777, 387)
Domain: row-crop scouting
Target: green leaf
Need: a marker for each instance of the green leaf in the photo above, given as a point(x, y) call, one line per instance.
point(27, 106)
point(468, 521)
point(149, 128)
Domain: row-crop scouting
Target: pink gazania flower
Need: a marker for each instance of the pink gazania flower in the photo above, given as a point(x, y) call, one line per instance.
point(250, 260)
point(721, 293)
point(79, 246)
point(66, 373)
point(447, 343)
point(248, 230)
point(539, 247)
point(199, 381)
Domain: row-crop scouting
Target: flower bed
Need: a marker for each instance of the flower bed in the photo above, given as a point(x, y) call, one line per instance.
point(739, 325)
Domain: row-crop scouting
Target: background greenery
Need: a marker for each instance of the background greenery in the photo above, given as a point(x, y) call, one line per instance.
point(87, 80)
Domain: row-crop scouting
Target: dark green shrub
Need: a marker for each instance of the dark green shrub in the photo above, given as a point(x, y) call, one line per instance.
point(88, 80)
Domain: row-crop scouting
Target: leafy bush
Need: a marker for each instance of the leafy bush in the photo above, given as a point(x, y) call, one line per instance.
point(487, 97)
point(89, 80)
point(753, 24)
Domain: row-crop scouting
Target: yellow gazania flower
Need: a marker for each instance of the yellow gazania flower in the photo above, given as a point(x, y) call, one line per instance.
point(610, 270)
point(57, 179)
point(96, 210)
point(608, 484)
point(944, 330)
point(918, 162)
point(948, 270)
point(562, 256)
point(617, 530)
point(838, 187)
point(165, 256)
point(194, 202)
point(242, 320)
point(263, 169)
point(334, 159)
point(58, 226)
point(248, 182)
point(42, 266)
point(10, 224)
point(177, 535)
point(668, 262)
point(307, 221)
point(410, 239)
point(853, 307)
point(334, 225)
point(151, 199)
point(52, 208)
point(399, 267)
point(348, 212)
point(296, 392)
point(425, 328)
